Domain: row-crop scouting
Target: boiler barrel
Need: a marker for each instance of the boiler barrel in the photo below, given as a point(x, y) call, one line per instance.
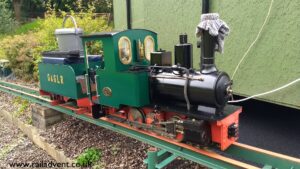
point(210, 91)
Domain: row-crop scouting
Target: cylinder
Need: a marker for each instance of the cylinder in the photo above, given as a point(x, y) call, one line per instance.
point(210, 91)
point(184, 52)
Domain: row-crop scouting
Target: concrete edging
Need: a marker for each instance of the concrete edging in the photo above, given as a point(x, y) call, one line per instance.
point(34, 135)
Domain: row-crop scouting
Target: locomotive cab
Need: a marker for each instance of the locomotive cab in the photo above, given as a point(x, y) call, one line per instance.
point(116, 83)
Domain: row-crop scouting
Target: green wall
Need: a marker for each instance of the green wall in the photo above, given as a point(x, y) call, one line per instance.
point(273, 61)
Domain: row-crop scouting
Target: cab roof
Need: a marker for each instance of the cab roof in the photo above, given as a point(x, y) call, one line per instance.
point(110, 34)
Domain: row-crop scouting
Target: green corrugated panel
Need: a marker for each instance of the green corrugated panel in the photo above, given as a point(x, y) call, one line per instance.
point(273, 61)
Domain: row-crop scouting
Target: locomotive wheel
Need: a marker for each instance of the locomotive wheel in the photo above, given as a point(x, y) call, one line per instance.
point(179, 131)
point(135, 115)
point(150, 118)
point(153, 118)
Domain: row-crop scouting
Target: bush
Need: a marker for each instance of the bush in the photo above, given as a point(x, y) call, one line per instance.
point(19, 50)
point(7, 22)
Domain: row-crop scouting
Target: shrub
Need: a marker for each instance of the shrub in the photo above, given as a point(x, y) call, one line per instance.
point(24, 51)
point(2, 54)
point(19, 50)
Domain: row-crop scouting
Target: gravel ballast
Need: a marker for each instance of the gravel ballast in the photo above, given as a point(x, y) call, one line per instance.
point(17, 148)
point(73, 136)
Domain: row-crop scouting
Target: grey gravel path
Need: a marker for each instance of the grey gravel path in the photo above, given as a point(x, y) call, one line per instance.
point(17, 148)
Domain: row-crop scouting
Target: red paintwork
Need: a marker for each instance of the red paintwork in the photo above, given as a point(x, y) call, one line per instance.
point(86, 103)
point(76, 110)
point(44, 93)
point(55, 99)
point(219, 130)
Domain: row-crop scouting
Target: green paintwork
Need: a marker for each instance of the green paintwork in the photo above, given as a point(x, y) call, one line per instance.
point(63, 79)
point(159, 159)
point(261, 158)
point(152, 159)
point(18, 87)
point(273, 61)
point(250, 156)
point(67, 85)
point(128, 87)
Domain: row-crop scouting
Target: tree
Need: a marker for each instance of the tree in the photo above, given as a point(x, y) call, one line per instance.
point(101, 6)
point(7, 21)
point(17, 4)
point(36, 8)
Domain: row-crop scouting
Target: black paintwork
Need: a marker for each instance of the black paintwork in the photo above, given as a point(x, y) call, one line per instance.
point(208, 46)
point(129, 17)
point(194, 113)
point(184, 52)
point(211, 91)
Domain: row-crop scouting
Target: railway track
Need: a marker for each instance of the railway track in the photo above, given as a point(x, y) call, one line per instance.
point(237, 156)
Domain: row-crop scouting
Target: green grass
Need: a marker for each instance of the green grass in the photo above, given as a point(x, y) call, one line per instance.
point(25, 28)
point(31, 26)
point(23, 105)
point(29, 121)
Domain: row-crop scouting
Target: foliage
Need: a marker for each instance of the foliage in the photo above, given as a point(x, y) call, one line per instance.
point(101, 6)
point(29, 121)
point(24, 104)
point(2, 53)
point(19, 50)
point(33, 8)
point(94, 48)
point(33, 26)
point(7, 22)
point(25, 51)
point(88, 157)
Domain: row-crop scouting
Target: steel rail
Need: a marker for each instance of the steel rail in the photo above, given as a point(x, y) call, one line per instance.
point(257, 158)
point(20, 87)
point(22, 93)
